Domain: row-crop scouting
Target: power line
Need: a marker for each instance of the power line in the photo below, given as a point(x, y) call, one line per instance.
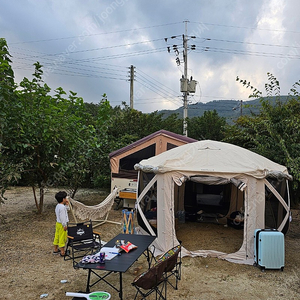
point(71, 60)
point(245, 27)
point(158, 83)
point(78, 74)
point(71, 70)
point(149, 27)
point(164, 96)
point(154, 87)
point(162, 89)
point(71, 63)
point(122, 55)
point(114, 56)
point(95, 34)
point(249, 43)
point(245, 52)
point(109, 47)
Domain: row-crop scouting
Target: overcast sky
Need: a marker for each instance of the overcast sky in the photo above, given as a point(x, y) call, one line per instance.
point(88, 47)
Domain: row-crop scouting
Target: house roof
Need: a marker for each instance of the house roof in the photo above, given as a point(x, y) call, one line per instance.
point(161, 132)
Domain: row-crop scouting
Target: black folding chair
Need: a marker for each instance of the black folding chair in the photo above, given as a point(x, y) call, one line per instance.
point(82, 241)
point(150, 281)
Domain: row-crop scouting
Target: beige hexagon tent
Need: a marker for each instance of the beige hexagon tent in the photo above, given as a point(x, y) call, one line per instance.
point(253, 181)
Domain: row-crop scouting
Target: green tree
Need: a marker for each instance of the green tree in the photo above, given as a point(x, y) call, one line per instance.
point(101, 146)
point(128, 125)
point(274, 131)
point(7, 104)
point(7, 84)
point(209, 126)
point(48, 140)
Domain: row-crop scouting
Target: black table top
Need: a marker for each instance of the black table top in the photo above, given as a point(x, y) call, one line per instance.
point(123, 262)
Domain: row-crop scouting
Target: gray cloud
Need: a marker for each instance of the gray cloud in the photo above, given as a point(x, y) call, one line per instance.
point(82, 46)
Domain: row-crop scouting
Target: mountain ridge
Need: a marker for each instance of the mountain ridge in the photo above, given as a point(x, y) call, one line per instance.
point(229, 109)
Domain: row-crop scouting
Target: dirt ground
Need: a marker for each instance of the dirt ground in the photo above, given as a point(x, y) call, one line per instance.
point(29, 269)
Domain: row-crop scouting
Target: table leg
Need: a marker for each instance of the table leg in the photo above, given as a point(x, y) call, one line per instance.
point(121, 287)
point(88, 281)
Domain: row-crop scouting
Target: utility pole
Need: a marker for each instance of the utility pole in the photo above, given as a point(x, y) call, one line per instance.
point(187, 86)
point(240, 106)
point(131, 85)
point(185, 93)
point(241, 110)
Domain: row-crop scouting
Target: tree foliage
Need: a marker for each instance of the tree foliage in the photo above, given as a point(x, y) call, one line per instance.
point(138, 125)
point(207, 127)
point(48, 140)
point(274, 131)
point(129, 125)
point(7, 103)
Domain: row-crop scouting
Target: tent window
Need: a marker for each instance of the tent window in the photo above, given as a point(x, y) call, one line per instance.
point(128, 162)
point(274, 211)
point(128, 174)
point(171, 146)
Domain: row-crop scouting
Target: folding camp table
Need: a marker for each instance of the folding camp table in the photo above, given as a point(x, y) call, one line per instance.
point(121, 263)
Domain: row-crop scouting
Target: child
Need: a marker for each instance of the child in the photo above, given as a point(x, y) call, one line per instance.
point(62, 219)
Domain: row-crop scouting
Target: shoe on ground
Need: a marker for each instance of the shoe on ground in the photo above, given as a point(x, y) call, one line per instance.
point(66, 253)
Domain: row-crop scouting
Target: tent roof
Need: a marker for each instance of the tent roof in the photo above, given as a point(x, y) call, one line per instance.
point(161, 132)
point(212, 157)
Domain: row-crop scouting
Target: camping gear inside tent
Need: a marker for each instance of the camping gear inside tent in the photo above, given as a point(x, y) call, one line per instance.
point(122, 161)
point(213, 178)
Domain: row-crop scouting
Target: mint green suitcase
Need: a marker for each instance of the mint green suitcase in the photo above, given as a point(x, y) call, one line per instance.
point(269, 250)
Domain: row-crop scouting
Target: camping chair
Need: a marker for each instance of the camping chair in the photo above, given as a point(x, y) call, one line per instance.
point(82, 240)
point(128, 226)
point(150, 281)
point(173, 265)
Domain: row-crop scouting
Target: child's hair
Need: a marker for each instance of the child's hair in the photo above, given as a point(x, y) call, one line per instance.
point(60, 196)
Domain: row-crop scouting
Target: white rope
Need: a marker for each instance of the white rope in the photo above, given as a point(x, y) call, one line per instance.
point(94, 212)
